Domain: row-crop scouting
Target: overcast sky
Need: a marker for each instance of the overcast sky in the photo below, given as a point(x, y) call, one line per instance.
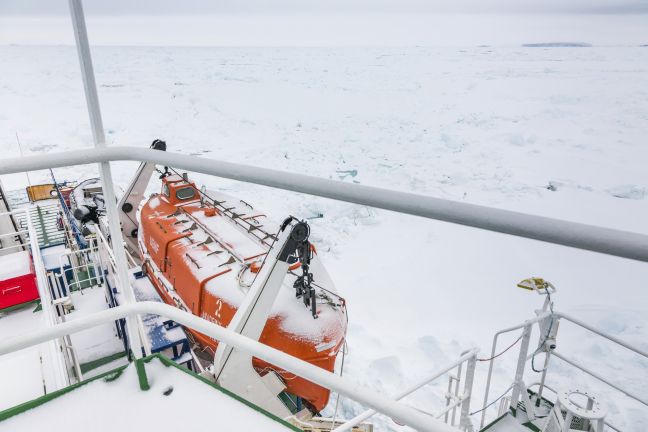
point(190, 7)
point(328, 22)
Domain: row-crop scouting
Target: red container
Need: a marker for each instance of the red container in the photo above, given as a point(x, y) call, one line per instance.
point(21, 288)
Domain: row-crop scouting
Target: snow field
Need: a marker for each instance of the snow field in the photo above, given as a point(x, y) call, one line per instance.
point(552, 131)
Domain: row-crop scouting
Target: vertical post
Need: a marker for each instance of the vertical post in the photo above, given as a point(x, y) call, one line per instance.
point(105, 173)
point(488, 379)
point(96, 261)
point(448, 398)
point(456, 393)
point(87, 72)
point(464, 418)
point(549, 346)
point(544, 376)
point(141, 374)
point(519, 373)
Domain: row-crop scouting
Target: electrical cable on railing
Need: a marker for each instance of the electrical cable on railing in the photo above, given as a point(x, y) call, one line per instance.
point(493, 402)
point(497, 355)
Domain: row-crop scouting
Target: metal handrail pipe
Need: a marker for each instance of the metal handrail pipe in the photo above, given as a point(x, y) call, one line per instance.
point(15, 233)
point(531, 321)
point(407, 391)
point(79, 282)
point(14, 212)
point(100, 238)
point(12, 247)
point(70, 253)
point(588, 237)
point(399, 412)
point(452, 406)
point(600, 378)
point(601, 333)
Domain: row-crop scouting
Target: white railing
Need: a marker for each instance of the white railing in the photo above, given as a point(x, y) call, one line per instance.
point(518, 386)
point(57, 350)
point(598, 239)
point(614, 339)
point(524, 337)
point(613, 242)
point(15, 233)
point(81, 256)
point(453, 400)
point(105, 253)
point(54, 345)
point(397, 411)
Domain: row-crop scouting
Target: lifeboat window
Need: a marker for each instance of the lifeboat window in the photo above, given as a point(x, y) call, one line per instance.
point(165, 190)
point(185, 193)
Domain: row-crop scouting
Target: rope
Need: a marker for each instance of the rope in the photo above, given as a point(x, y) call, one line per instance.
point(493, 402)
point(497, 355)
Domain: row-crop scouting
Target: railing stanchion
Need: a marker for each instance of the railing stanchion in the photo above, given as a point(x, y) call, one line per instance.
point(447, 398)
point(544, 376)
point(456, 392)
point(519, 372)
point(427, 380)
point(464, 418)
point(488, 378)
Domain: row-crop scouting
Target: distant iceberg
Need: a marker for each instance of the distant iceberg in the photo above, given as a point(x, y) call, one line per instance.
point(557, 45)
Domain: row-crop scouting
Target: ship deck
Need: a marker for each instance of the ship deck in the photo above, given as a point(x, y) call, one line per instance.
point(176, 400)
point(28, 373)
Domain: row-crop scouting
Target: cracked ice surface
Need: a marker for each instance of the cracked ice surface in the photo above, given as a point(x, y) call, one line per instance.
point(552, 131)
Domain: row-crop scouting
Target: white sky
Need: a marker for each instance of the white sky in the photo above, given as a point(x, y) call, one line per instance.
point(328, 22)
point(191, 7)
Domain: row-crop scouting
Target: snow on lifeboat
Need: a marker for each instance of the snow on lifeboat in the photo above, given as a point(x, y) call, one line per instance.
point(202, 251)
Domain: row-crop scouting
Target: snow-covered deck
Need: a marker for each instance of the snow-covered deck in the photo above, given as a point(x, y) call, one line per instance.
point(175, 401)
point(14, 265)
point(28, 373)
point(97, 342)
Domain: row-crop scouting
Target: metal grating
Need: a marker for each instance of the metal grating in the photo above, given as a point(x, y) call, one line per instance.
point(44, 218)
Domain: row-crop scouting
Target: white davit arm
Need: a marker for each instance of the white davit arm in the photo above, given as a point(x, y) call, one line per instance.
point(133, 196)
point(233, 369)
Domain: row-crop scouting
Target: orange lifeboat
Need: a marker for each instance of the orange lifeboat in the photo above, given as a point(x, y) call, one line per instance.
point(202, 250)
